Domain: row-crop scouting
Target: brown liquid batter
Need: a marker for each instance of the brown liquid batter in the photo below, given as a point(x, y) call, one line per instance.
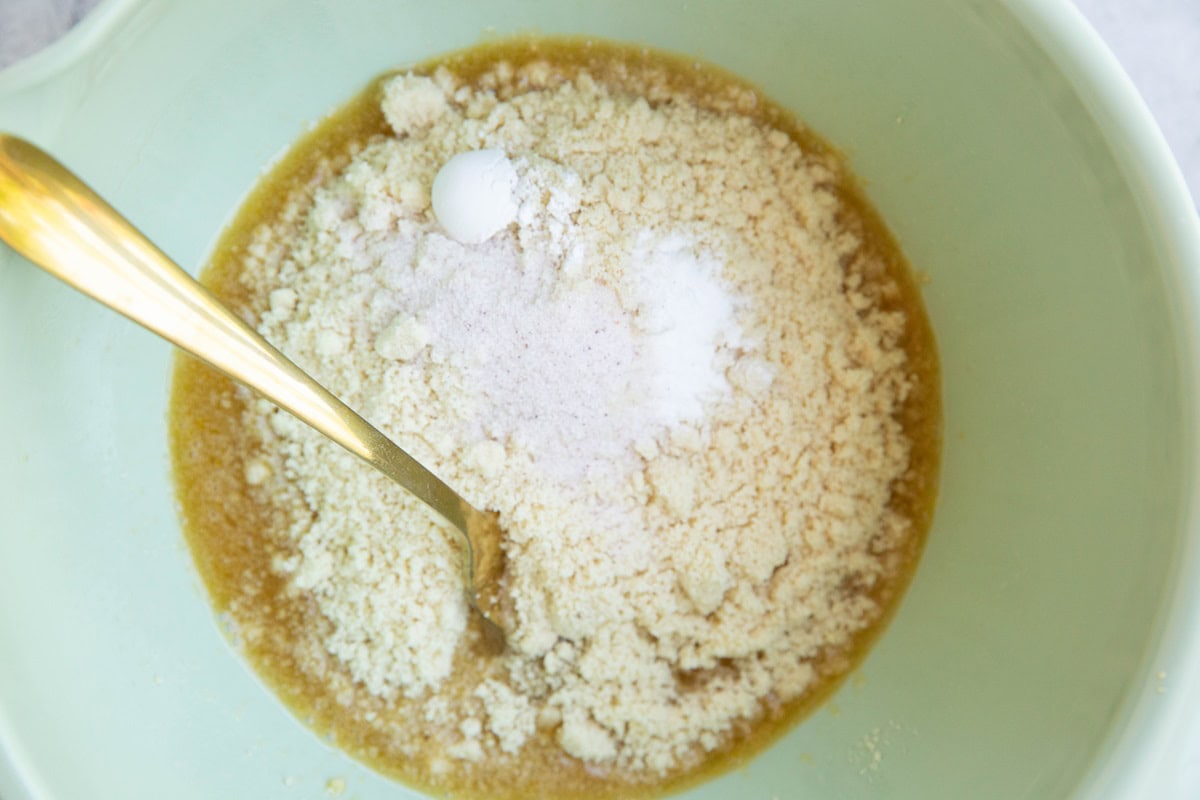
point(234, 537)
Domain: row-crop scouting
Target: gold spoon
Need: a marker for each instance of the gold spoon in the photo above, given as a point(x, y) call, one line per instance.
point(53, 219)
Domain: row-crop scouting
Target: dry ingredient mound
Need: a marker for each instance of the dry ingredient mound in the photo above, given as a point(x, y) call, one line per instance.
point(669, 374)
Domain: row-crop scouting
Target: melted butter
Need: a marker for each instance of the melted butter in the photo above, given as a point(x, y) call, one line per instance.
point(234, 537)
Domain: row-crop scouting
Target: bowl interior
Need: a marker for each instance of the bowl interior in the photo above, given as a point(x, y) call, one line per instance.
point(1026, 631)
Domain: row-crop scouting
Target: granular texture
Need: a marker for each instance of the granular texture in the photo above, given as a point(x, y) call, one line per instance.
point(676, 376)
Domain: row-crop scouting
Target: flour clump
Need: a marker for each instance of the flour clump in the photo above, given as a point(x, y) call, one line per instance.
point(639, 328)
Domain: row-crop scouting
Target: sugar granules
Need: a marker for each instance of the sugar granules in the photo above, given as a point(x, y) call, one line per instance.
point(670, 375)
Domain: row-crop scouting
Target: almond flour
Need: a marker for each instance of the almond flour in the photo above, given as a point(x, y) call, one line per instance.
point(674, 375)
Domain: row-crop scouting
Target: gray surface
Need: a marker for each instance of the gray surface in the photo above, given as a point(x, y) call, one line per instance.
point(27, 25)
point(1158, 44)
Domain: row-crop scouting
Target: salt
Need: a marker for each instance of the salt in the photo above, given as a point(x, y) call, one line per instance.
point(686, 318)
point(571, 369)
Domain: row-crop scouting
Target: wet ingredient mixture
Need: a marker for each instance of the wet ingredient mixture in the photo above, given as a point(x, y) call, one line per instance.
point(630, 306)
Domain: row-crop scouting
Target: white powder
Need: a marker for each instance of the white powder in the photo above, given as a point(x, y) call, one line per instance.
point(664, 369)
point(472, 195)
point(564, 367)
point(684, 317)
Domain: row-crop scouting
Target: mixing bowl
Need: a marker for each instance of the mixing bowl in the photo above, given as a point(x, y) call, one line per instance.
point(1049, 646)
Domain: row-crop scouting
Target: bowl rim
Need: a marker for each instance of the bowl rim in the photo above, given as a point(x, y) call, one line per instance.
point(1150, 726)
point(68, 50)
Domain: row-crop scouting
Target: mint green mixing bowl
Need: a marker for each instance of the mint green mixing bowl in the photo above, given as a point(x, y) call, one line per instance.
point(1048, 646)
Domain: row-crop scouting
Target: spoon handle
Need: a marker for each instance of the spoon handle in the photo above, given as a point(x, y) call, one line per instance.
point(53, 219)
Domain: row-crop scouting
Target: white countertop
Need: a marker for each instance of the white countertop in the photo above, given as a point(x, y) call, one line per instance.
point(1158, 44)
